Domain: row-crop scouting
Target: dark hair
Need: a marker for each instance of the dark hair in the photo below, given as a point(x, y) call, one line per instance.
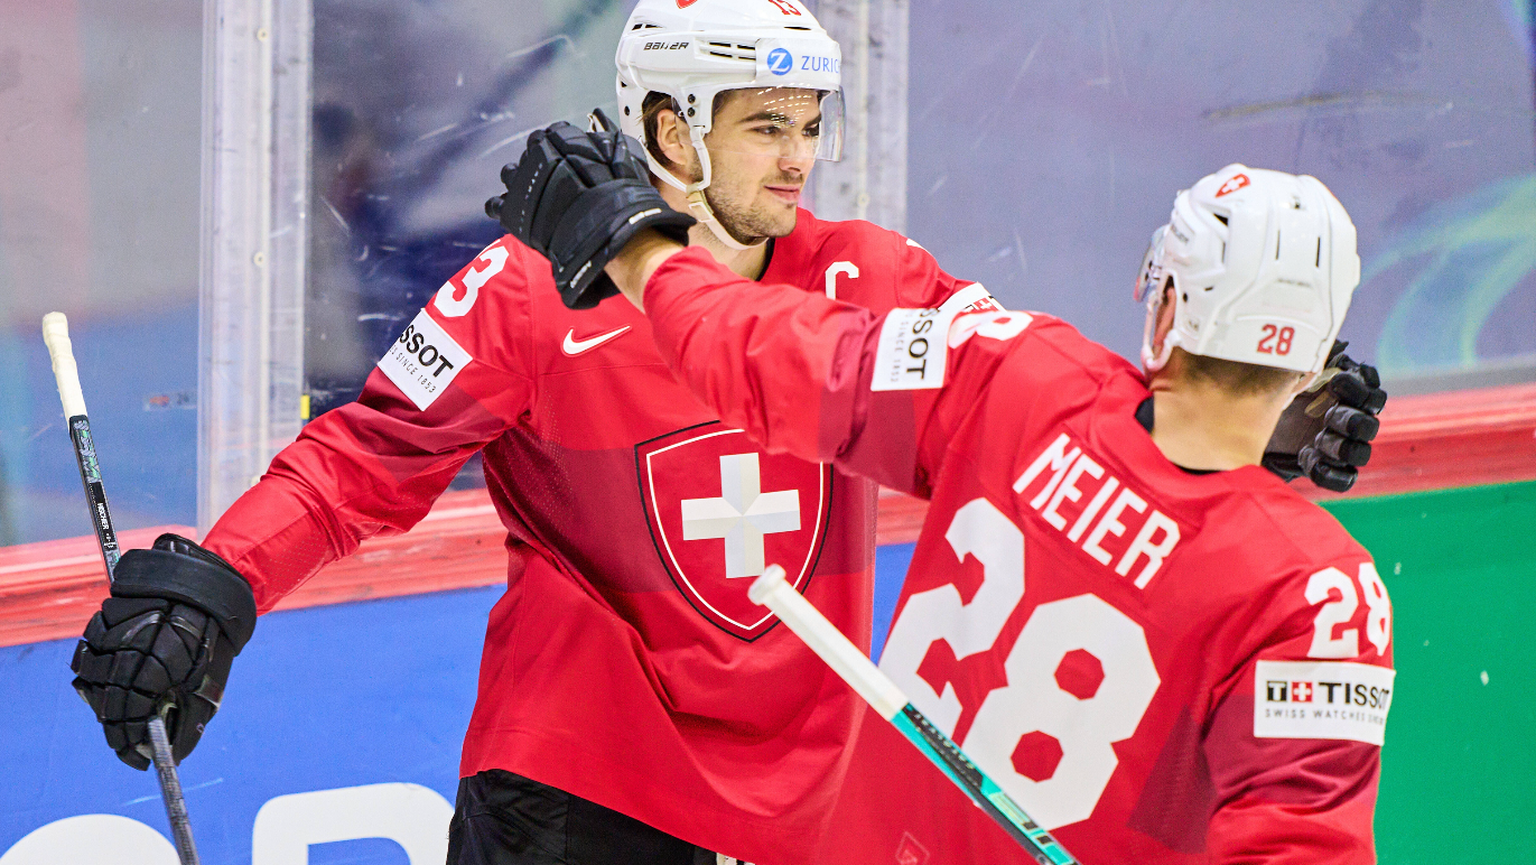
point(651, 107)
point(1236, 377)
point(650, 110)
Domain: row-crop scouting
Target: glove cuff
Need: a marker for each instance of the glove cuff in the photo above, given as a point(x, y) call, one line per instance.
point(191, 575)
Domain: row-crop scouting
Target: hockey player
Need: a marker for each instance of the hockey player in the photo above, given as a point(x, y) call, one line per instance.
point(633, 705)
point(1162, 652)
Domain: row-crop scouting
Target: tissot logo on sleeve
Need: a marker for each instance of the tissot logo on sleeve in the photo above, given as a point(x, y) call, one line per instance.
point(913, 349)
point(1321, 700)
point(423, 361)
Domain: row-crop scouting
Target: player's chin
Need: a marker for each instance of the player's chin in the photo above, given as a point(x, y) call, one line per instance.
point(777, 220)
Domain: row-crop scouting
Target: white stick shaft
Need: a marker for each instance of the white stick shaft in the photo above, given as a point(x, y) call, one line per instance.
point(827, 641)
point(56, 335)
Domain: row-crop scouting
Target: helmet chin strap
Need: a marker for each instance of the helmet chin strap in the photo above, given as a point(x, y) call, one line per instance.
point(699, 207)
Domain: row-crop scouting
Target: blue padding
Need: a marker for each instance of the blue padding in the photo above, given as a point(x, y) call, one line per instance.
point(891, 563)
point(321, 698)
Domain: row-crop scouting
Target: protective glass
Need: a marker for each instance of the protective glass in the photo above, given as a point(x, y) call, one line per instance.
point(779, 122)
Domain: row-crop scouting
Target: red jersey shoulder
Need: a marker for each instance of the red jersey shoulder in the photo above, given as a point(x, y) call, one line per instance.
point(489, 301)
point(479, 319)
point(506, 272)
point(859, 262)
point(1323, 568)
point(505, 303)
point(1040, 348)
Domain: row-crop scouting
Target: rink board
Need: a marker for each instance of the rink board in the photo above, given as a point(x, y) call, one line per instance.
point(351, 695)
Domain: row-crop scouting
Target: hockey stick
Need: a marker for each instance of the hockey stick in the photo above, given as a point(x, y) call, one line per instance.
point(56, 335)
point(884, 697)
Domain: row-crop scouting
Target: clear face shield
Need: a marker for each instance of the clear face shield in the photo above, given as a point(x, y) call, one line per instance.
point(1149, 290)
point(1150, 278)
point(778, 123)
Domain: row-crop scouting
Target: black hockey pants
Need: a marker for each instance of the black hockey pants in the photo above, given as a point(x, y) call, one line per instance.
point(506, 819)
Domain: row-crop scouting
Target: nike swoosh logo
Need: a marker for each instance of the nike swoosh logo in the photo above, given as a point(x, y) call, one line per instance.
point(573, 346)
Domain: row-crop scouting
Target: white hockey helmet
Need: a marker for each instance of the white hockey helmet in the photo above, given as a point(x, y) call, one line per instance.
point(1263, 265)
point(692, 50)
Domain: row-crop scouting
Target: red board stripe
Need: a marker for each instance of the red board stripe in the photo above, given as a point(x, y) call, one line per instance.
point(48, 590)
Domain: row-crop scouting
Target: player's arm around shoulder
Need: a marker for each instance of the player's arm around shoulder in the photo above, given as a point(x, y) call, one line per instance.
point(1297, 780)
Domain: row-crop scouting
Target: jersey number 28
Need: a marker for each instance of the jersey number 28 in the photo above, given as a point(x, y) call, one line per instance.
point(1050, 748)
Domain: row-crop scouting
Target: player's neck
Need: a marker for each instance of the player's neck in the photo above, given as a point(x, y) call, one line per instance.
point(1198, 425)
point(746, 263)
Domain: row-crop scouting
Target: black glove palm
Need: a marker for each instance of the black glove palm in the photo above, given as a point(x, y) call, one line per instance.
point(576, 198)
point(164, 641)
point(1325, 432)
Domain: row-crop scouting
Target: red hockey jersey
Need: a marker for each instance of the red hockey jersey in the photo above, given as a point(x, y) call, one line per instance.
point(625, 663)
point(1160, 666)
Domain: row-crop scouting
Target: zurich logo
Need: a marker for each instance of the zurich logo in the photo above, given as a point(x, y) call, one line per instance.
point(780, 61)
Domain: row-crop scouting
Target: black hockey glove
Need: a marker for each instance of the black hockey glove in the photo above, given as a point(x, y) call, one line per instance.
point(177, 617)
point(576, 198)
point(1325, 433)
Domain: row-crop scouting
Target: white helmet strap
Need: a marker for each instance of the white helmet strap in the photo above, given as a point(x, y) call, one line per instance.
point(700, 209)
point(698, 206)
point(1149, 361)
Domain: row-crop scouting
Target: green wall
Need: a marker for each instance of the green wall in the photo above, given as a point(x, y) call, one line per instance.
point(1459, 769)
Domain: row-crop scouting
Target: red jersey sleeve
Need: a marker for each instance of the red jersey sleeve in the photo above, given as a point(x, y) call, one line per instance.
point(799, 372)
point(458, 376)
point(1294, 747)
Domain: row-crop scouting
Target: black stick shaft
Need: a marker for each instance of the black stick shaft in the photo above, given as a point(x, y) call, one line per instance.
point(170, 791)
point(67, 375)
point(95, 494)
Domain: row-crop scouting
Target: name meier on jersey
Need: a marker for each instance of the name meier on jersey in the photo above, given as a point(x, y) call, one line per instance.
point(423, 361)
point(1062, 465)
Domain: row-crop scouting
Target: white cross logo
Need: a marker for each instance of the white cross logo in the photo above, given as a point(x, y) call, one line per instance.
point(742, 515)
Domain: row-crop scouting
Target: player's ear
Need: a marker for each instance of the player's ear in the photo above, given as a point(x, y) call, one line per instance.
point(1304, 381)
point(674, 142)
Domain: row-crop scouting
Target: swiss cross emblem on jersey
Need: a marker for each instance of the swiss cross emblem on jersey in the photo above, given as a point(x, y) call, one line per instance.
point(721, 511)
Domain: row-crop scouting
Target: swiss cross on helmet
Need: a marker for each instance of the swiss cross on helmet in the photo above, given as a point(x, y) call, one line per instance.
point(1263, 265)
point(692, 50)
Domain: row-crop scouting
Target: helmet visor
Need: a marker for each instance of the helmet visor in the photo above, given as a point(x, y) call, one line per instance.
point(779, 123)
point(1150, 277)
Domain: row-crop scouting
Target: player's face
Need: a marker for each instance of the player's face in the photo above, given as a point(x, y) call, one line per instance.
point(761, 150)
